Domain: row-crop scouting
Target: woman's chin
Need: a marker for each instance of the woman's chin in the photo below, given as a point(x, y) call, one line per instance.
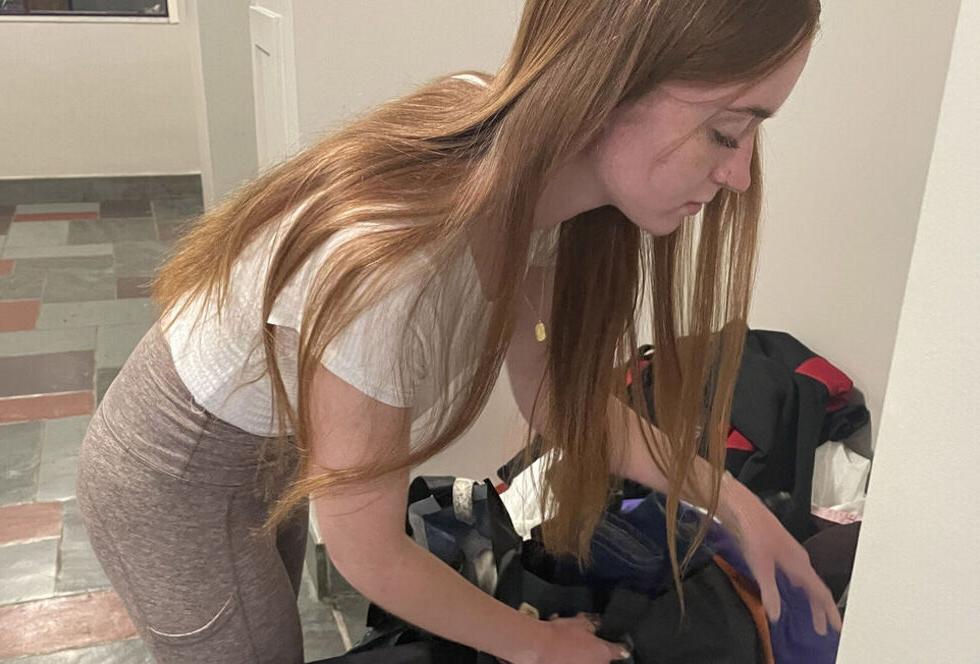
point(663, 224)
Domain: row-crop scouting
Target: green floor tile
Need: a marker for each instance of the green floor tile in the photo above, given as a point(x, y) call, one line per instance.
point(37, 234)
point(139, 259)
point(25, 283)
point(111, 230)
point(104, 312)
point(59, 458)
point(27, 571)
point(65, 251)
point(20, 455)
point(79, 285)
point(35, 342)
point(114, 343)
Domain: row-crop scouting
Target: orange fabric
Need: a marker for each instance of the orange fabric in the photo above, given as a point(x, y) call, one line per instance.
point(753, 602)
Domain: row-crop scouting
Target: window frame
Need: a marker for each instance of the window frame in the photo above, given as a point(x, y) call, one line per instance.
point(173, 16)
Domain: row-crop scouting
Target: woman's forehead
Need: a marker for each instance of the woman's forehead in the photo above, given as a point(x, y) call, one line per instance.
point(760, 98)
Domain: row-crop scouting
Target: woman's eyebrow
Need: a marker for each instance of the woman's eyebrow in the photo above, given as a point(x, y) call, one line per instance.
point(754, 111)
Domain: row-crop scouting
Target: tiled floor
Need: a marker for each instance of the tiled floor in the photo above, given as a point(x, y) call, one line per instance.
point(73, 304)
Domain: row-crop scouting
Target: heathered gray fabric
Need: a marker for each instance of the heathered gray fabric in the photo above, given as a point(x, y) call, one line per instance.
point(170, 495)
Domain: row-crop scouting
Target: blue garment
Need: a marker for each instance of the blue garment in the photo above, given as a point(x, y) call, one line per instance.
point(631, 547)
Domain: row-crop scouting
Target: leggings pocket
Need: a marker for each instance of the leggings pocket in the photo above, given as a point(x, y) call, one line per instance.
point(226, 612)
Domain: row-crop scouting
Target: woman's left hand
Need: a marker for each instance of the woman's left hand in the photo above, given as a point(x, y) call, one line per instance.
point(766, 545)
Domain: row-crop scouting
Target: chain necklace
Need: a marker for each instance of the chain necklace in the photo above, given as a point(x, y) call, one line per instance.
point(539, 330)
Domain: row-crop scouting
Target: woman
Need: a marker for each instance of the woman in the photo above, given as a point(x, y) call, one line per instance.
point(344, 317)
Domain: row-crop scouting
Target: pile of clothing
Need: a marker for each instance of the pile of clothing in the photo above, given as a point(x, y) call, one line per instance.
point(791, 408)
point(466, 525)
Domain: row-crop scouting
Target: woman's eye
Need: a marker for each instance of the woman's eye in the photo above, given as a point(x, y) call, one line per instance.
point(723, 140)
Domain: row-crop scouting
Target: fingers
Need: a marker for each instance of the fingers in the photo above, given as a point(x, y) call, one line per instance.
point(765, 573)
point(588, 620)
point(619, 651)
point(591, 622)
point(818, 611)
point(823, 608)
point(822, 605)
point(594, 621)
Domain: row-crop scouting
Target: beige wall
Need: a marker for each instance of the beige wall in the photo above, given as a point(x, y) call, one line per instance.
point(96, 99)
point(915, 597)
point(381, 48)
point(846, 163)
point(225, 108)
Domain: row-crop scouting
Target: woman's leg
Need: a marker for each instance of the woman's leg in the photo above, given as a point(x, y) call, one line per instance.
point(291, 543)
point(168, 497)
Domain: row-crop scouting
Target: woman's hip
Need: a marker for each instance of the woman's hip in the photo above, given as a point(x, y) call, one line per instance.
point(149, 414)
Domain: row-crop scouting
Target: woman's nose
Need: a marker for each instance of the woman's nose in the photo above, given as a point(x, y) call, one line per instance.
point(735, 173)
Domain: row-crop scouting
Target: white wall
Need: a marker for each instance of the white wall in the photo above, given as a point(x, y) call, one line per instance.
point(845, 164)
point(80, 99)
point(915, 597)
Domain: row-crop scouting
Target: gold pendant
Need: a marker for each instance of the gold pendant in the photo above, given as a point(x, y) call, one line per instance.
point(539, 332)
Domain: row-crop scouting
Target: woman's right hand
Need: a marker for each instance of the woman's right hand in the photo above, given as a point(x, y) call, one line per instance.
point(573, 641)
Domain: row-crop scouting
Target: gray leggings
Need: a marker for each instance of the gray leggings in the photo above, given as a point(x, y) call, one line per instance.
point(170, 495)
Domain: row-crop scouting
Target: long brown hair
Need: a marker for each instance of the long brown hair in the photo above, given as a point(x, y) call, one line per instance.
point(433, 164)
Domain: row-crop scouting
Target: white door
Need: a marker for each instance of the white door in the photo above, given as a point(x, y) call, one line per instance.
point(274, 82)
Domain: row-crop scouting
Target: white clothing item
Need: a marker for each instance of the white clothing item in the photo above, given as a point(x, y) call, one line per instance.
point(522, 497)
point(840, 481)
point(222, 362)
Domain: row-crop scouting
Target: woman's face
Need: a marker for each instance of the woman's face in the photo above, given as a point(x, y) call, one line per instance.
point(678, 144)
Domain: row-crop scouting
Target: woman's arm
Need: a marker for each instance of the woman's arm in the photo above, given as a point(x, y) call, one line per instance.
point(364, 532)
point(638, 465)
point(526, 360)
point(765, 543)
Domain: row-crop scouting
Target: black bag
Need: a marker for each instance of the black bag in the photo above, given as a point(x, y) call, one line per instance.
point(469, 528)
point(785, 414)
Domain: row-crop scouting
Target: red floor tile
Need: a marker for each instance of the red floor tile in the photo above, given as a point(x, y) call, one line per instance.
point(35, 628)
point(6, 268)
point(28, 522)
point(46, 406)
point(56, 216)
point(19, 315)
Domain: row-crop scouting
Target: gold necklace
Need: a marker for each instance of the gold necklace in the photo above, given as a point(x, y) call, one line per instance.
point(539, 330)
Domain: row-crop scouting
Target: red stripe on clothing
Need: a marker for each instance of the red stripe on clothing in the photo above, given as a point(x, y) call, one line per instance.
point(736, 441)
point(820, 369)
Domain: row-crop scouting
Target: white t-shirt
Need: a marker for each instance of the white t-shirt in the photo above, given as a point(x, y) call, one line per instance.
point(221, 359)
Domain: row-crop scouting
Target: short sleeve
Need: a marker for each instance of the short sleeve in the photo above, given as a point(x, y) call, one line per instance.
point(380, 352)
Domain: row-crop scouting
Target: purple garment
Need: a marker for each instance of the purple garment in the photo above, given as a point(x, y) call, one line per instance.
point(794, 640)
point(629, 504)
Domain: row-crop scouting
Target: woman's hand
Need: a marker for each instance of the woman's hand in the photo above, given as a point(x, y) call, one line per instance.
point(573, 641)
point(766, 545)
